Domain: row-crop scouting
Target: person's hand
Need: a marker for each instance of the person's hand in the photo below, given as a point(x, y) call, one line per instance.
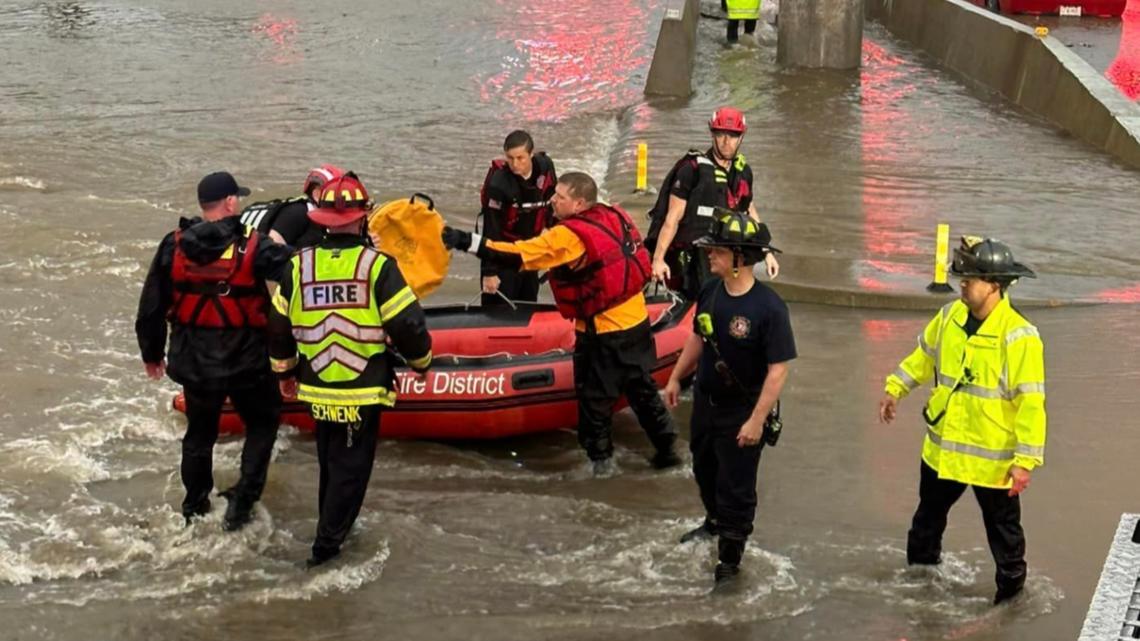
point(887, 408)
point(660, 271)
point(288, 387)
point(672, 393)
point(750, 432)
point(1020, 477)
point(155, 371)
point(772, 265)
point(456, 239)
point(491, 284)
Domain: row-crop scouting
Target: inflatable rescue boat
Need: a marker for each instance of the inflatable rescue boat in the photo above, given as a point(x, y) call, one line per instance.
point(497, 372)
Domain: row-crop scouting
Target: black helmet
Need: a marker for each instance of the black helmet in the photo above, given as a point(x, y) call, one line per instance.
point(737, 231)
point(988, 259)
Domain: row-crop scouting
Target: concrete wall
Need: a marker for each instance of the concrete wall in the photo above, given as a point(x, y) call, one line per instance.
point(821, 34)
point(671, 72)
point(1040, 74)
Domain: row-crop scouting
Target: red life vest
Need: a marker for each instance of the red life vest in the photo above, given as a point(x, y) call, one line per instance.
point(615, 266)
point(223, 294)
point(516, 225)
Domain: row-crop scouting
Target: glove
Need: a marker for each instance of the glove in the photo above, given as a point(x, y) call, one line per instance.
point(456, 239)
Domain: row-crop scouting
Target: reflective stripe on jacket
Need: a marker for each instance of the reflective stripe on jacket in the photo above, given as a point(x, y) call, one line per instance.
point(987, 409)
point(339, 325)
point(743, 9)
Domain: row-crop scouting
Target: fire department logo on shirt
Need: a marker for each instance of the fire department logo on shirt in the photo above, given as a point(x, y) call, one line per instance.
point(739, 327)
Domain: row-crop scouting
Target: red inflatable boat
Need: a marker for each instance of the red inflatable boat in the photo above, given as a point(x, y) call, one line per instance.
point(497, 372)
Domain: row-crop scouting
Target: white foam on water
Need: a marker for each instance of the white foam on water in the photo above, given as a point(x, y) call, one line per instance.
point(957, 594)
point(66, 546)
point(167, 207)
point(337, 576)
point(40, 456)
point(22, 182)
point(604, 134)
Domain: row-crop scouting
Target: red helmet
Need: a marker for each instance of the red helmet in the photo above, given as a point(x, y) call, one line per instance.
point(319, 177)
point(728, 119)
point(342, 200)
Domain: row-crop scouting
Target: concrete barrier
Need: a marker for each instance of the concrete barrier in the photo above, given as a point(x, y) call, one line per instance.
point(1040, 74)
point(671, 72)
point(821, 34)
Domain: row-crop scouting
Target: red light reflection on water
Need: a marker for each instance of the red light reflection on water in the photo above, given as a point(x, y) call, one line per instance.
point(577, 56)
point(281, 34)
point(884, 87)
point(1130, 294)
point(879, 330)
point(1124, 72)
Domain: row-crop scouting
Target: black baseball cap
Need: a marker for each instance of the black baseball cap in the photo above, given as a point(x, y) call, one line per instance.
point(219, 185)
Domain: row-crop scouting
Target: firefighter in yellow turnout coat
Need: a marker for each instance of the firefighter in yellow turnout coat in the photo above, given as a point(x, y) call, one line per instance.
point(339, 307)
point(986, 414)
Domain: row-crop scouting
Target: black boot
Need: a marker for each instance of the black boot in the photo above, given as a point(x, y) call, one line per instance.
point(704, 532)
point(1007, 591)
point(239, 513)
point(730, 551)
point(665, 459)
point(724, 574)
point(604, 468)
point(200, 509)
point(320, 556)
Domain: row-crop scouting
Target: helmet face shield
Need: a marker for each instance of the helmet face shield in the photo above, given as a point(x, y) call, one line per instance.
point(987, 259)
point(965, 264)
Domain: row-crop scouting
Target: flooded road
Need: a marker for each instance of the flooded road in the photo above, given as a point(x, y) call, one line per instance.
point(112, 110)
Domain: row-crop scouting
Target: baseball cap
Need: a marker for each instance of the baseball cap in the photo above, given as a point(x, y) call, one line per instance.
point(219, 185)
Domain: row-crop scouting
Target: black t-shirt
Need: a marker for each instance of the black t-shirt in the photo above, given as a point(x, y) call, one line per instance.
point(973, 324)
point(751, 331)
point(688, 173)
point(293, 223)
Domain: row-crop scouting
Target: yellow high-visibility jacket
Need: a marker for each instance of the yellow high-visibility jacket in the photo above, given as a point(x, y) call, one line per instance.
point(743, 9)
point(339, 305)
point(987, 409)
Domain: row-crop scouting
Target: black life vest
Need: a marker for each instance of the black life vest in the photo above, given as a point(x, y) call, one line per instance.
point(260, 216)
point(517, 224)
point(223, 294)
point(715, 187)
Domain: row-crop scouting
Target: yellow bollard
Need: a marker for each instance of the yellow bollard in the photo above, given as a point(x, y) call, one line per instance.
point(1041, 31)
point(941, 259)
point(642, 167)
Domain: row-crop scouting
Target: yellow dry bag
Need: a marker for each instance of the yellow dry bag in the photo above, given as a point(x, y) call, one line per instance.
point(410, 231)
